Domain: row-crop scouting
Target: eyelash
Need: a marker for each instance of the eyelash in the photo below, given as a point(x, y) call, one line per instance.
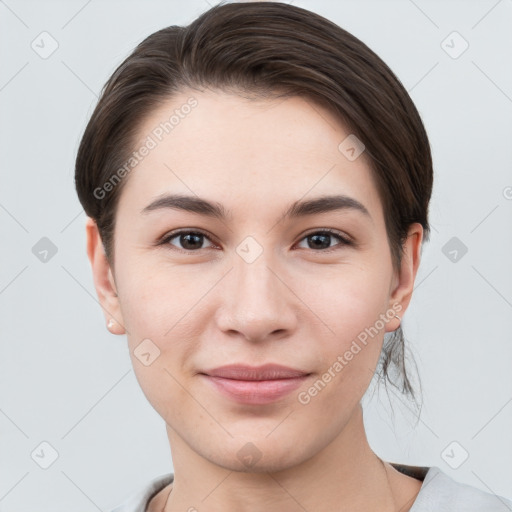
point(344, 241)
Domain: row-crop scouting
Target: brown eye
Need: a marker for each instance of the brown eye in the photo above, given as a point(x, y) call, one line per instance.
point(321, 240)
point(188, 240)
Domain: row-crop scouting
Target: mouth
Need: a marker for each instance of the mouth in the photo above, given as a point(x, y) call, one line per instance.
point(255, 385)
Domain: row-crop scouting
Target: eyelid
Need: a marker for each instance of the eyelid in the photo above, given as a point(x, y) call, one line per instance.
point(343, 236)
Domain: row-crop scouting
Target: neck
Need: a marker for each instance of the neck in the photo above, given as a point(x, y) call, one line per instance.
point(344, 475)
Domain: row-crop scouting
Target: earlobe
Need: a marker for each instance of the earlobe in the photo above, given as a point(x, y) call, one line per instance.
point(103, 279)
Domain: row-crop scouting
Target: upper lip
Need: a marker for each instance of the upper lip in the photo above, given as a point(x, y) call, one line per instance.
point(265, 372)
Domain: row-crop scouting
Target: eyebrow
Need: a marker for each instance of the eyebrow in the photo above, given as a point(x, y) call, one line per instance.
point(298, 209)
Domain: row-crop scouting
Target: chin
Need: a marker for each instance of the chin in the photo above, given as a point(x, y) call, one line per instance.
point(257, 456)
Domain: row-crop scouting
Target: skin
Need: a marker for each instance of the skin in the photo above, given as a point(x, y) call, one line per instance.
point(294, 305)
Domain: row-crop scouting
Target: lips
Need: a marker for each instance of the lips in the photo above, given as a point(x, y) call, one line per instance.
point(264, 372)
point(255, 385)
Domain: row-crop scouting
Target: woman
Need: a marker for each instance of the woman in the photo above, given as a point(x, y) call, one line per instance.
point(257, 188)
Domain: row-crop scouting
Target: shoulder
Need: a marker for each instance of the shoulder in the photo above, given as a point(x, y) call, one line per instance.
point(139, 501)
point(441, 493)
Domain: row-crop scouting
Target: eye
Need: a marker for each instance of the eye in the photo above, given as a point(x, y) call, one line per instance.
point(190, 240)
point(321, 240)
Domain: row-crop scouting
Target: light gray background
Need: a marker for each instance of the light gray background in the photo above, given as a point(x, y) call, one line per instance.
point(65, 380)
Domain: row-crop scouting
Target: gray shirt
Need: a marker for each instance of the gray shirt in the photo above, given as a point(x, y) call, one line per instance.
point(439, 493)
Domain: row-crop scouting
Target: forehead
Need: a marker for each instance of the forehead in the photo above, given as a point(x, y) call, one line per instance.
point(232, 149)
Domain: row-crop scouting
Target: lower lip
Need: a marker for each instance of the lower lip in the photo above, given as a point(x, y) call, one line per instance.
point(256, 392)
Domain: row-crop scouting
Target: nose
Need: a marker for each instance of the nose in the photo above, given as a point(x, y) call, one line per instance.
point(257, 302)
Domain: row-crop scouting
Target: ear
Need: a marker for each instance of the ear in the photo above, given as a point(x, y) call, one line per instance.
point(103, 279)
point(403, 283)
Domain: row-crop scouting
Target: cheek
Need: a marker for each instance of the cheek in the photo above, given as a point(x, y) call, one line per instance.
point(160, 384)
point(160, 336)
point(160, 309)
point(352, 300)
point(357, 299)
point(152, 300)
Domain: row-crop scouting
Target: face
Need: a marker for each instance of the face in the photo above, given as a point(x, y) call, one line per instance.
point(313, 289)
